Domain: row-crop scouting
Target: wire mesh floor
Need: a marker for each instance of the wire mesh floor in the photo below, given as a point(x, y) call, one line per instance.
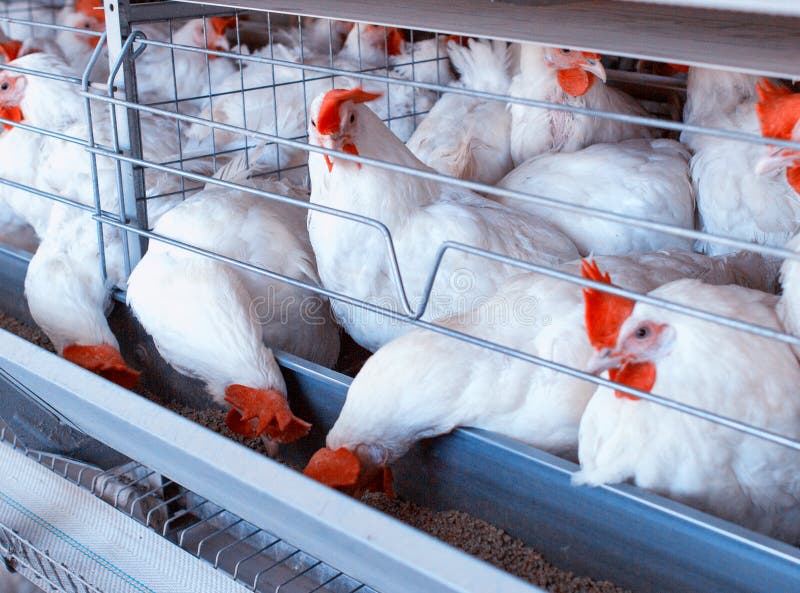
point(256, 558)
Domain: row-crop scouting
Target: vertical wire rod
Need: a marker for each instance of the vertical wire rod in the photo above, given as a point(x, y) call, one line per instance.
point(218, 532)
point(198, 524)
point(224, 549)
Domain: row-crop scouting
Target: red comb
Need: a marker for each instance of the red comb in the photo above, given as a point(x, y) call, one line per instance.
point(10, 49)
point(604, 313)
point(92, 8)
point(459, 39)
point(394, 38)
point(220, 24)
point(778, 110)
point(328, 118)
point(589, 55)
point(679, 67)
point(394, 41)
point(336, 469)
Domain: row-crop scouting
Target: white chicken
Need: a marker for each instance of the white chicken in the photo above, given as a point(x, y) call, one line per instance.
point(76, 47)
point(34, 12)
point(647, 179)
point(182, 76)
point(420, 214)
point(66, 294)
point(436, 383)
point(780, 118)
point(320, 36)
point(749, 378)
point(219, 323)
point(732, 199)
point(15, 231)
point(43, 103)
point(271, 93)
point(468, 137)
point(567, 77)
point(73, 46)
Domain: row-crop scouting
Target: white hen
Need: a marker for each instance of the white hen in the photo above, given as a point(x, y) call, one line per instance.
point(468, 137)
point(66, 293)
point(706, 365)
point(567, 77)
point(425, 383)
point(218, 323)
point(269, 92)
point(646, 179)
point(733, 200)
point(420, 214)
point(180, 75)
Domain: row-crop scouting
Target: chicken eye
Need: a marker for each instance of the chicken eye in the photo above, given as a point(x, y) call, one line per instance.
point(566, 51)
point(4, 86)
point(352, 117)
point(642, 332)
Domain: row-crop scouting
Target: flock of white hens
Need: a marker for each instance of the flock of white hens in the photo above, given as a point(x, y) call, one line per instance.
point(219, 322)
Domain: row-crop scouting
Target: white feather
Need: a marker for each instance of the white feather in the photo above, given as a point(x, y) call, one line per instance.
point(647, 179)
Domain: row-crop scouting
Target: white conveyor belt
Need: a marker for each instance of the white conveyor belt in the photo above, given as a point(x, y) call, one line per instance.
point(93, 539)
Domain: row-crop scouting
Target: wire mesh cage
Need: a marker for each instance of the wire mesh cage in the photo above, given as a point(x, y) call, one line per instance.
point(199, 102)
point(256, 558)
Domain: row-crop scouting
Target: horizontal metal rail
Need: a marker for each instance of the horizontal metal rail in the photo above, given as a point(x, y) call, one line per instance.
point(471, 185)
point(621, 117)
point(412, 314)
point(51, 26)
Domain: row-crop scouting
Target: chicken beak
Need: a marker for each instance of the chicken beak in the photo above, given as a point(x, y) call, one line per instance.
point(595, 67)
point(603, 360)
point(776, 158)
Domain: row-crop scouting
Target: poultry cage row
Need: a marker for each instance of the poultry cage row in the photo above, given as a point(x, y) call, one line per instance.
point(622, 533)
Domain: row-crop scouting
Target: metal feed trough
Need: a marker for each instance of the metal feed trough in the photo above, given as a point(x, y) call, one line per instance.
point(265, 527)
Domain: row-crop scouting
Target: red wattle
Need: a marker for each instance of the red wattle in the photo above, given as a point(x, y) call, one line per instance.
point(638, 375)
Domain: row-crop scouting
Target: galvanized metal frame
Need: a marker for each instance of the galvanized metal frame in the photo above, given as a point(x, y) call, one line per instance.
point(125, 127)
point(221, 534)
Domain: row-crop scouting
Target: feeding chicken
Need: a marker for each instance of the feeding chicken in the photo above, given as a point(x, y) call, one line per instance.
point(732, 199)
point(66, 293)
point(468, 137)
point(218, 323)
point(567, 77)
point(425, 383)
point(646, 179)
point(420, 214)
point(713, 367)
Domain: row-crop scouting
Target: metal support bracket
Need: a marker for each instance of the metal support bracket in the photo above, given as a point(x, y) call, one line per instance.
point(128, 137)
